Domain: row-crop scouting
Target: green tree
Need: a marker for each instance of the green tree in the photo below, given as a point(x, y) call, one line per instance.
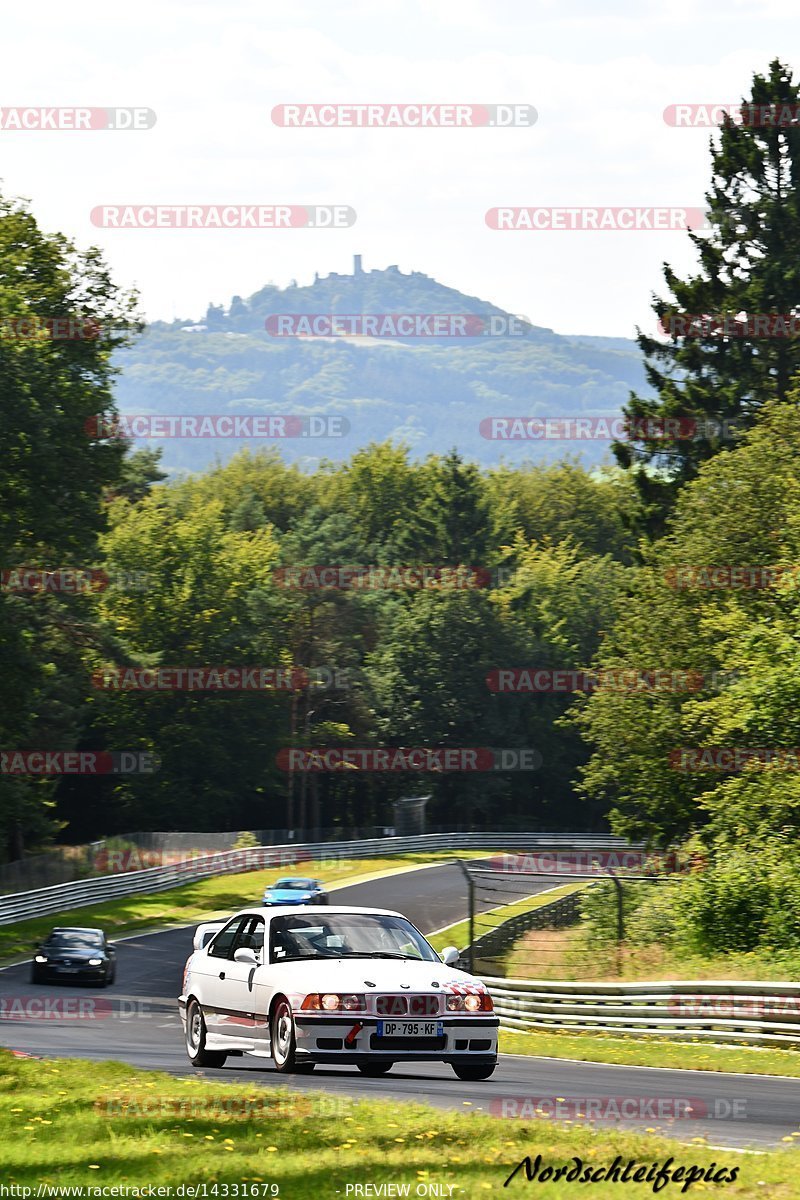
point(748, 265)
point(739, 637)
point(55, 469)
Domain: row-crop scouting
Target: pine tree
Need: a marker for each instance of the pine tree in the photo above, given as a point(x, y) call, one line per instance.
point(722, 369)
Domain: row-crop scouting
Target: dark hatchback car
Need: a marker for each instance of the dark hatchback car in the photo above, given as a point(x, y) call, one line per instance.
point(74, 955)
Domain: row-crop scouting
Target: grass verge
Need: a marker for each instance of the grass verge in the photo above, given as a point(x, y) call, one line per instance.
point(655, 1052)
point(203, 898)
point(69, 1123)
point(568, 954)
point(458, 935)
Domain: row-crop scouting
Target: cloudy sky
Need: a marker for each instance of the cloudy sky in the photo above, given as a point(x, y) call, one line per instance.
point(599, 74)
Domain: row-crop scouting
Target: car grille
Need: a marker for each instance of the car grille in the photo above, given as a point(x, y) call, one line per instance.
point(415, 1006)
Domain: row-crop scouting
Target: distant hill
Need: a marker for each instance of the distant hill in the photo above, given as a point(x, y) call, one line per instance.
point(431, 392)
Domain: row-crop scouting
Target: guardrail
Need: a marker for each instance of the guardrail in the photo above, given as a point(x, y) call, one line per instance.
point(556, 915)
point(21, 906)
point(713, 1010)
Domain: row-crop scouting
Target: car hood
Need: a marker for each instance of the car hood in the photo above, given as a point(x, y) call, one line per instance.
point(388, 975)
point(290, 895)
point(81, 955)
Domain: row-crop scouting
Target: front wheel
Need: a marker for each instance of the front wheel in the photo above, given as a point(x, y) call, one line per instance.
point(196, 1040)
point(470, 1071)
point(373, 1069)
point(282, 1039)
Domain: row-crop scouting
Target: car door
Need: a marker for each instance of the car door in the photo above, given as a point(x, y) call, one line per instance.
point(210, 975)
point(243, 1018)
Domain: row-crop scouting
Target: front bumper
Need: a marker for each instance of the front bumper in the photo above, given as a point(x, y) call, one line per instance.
point(52, 974)
point(352, 1039)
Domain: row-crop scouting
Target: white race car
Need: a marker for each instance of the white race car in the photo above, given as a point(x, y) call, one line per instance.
point(338, 985)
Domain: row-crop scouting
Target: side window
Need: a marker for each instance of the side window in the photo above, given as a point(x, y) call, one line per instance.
point(222, 943)
point(250, 936)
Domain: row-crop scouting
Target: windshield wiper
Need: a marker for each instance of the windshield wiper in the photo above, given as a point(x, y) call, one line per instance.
point(383, 954)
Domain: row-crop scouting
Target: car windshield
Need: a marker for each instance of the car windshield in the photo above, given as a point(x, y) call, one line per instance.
point(75, 940)
point(294, 885)
point(347, 935)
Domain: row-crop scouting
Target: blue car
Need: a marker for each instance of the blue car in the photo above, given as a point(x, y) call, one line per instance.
point(296, 891)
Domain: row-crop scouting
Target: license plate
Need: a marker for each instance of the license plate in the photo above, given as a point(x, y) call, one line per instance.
point(415, 1029)
point(68, 970)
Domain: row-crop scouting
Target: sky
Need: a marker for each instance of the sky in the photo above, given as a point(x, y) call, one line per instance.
point(598, 74)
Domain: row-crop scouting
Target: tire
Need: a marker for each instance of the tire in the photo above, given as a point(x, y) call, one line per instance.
point(196, 1040)
point(36, 977)
point(282, 1041)
point(470, 1071)
point(374, 1069)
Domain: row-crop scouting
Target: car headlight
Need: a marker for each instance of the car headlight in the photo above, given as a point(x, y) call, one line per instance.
point(334, 1002)
point(474, 1002)
point(40, 958)
point(95, 962)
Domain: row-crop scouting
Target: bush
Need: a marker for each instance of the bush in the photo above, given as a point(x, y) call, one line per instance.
point(246, 841)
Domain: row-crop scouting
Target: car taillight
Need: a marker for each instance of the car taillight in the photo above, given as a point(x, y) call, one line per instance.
point(473, 1002)
point(334, 1002)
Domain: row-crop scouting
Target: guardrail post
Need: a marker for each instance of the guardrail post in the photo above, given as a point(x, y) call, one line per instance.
point(620, 919)
point(471, 903)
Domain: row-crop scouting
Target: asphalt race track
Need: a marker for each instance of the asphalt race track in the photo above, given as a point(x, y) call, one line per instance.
point(136, 1021)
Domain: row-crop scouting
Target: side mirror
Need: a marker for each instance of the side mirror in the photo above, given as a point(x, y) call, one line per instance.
point(450, 956)
point(245, 955)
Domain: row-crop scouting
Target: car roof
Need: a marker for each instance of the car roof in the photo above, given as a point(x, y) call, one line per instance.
point(328, 910)
point(293, 879)
point(75, 929)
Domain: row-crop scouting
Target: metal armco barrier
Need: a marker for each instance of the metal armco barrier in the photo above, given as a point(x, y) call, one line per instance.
point(21, 906)
point(713, 1010)
point(556, 915)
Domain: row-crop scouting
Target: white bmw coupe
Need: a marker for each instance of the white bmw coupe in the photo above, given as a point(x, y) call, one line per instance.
point(339, 985)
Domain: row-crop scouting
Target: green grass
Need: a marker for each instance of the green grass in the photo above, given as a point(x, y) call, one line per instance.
point(569, 954)
point(204, 899)
point(64, 1124)
point(654, 1052)
point(458, 935)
